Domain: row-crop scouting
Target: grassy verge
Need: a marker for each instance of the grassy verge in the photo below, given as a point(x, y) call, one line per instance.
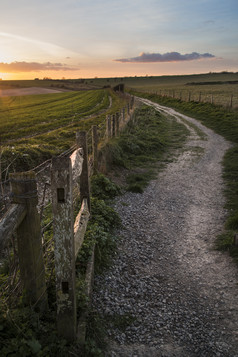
point(144, 147)
point(225, 123)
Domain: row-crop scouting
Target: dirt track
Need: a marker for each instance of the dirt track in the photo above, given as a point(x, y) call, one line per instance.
point(180, 295)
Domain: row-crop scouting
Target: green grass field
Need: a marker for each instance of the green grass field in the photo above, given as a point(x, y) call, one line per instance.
point(215, 87)
point(35, 127)
point(29, 115)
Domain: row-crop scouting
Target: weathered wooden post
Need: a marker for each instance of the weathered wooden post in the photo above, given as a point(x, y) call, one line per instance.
point(128, 108)
point(200, 97)
point(117, 124)
point(32, 271)
point(95, 148)
point(231, 101)
point(81, 142)
point(189, 96)
point(132, 102)
point(123, 115)
point(113, 125)
point(108, 126)
point(63, 223)
point(212, 99)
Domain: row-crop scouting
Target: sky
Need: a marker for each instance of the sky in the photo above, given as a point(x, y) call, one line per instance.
point(116, 38)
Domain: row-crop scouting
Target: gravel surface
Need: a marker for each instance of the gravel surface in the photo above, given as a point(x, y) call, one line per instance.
point(180, 294)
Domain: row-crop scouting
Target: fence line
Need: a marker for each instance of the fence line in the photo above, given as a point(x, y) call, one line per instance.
point(24, 218)
point(201, 97)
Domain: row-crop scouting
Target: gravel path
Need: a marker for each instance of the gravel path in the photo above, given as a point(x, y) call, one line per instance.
point(180, 294)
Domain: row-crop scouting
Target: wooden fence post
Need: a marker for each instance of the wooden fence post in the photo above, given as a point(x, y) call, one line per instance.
point(62, 202)
point(81, 141)
point(123, 114)
point(117, 124)
point(231, 101)
point(108, 126)
point(132, 102)
point(95, 149)
point(113, 125)
point(32, 271)
point(189, 96)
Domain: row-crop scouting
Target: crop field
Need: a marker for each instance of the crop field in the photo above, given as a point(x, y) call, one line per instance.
point(35, 127)
point(211, 87)
point(30, 115)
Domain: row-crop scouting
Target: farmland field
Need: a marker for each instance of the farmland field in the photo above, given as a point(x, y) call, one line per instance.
point(35, 127)
point(215, 87)
point(208, 87)
point(28, 115)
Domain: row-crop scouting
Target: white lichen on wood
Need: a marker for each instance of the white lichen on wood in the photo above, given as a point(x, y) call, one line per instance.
point(10, 221)
point(80, 226)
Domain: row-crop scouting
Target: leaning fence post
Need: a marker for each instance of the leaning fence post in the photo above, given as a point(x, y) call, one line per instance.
point(95, 148)
point(32, 271)
point(62, 202)
point(81, 141)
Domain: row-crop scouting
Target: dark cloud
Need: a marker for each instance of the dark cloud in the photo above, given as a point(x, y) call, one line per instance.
point(15, 67)
point(166, 57)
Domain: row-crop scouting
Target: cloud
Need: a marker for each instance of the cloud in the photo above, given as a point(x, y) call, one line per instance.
point(166, 57)
point(15, 67)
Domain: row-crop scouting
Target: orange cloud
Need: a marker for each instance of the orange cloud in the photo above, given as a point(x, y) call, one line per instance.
point(16, 67)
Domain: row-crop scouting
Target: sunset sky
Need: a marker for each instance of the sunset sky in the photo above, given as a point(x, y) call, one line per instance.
point(108, 38)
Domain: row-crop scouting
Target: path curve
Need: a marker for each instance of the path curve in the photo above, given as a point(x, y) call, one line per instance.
point(180, 294)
